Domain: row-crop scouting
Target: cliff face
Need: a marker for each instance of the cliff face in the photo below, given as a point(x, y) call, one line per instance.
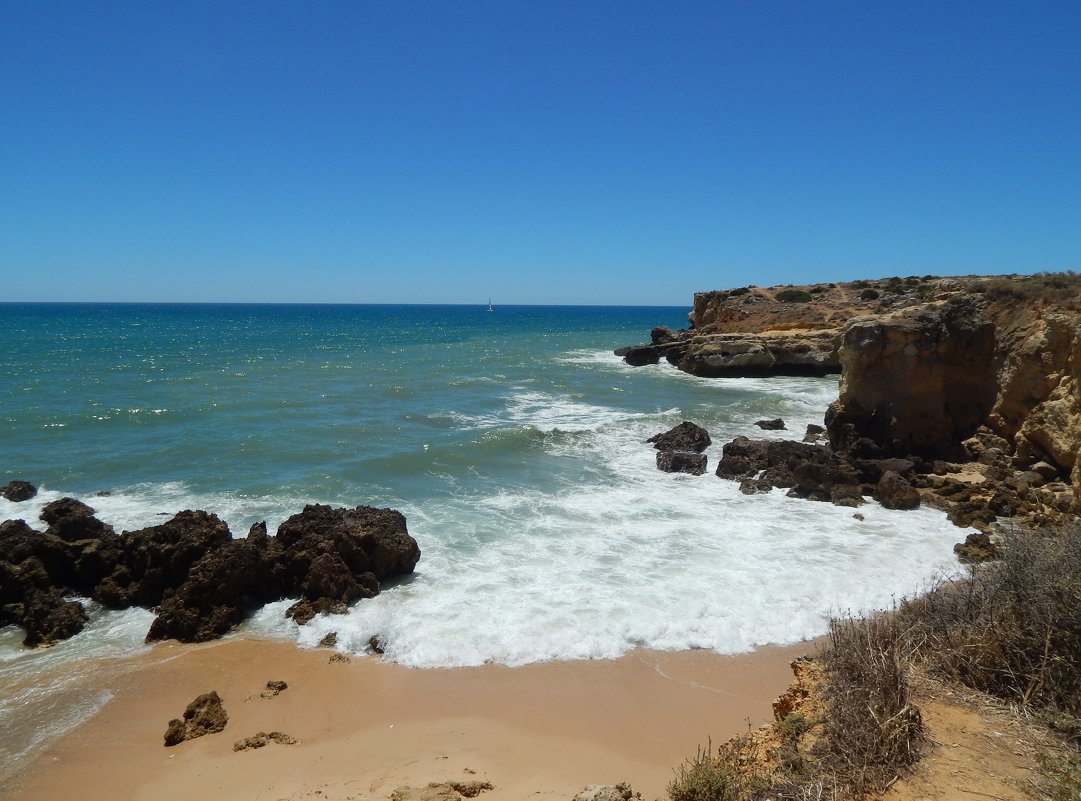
point(981, 369)
point(916, 382)
point(1002, 357)
point(1038, 404)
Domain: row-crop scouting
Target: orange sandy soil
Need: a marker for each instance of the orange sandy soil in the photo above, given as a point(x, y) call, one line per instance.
point(365, 727)
point(978, 749)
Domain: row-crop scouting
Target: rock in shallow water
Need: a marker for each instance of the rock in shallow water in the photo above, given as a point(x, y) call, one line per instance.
point(687, 436)
point(681, 462)
point(18, 491)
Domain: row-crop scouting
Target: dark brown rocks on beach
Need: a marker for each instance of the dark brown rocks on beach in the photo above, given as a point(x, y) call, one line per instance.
point(200, 580)
point(204, 715)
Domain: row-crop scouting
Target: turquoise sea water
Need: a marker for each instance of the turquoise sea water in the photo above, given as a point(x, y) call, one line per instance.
point(513, 441)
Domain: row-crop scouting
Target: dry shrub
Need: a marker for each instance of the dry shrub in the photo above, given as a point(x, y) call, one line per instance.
point(1012, 627)
point(1058, 289)
point(872, 731)
point(728, 775)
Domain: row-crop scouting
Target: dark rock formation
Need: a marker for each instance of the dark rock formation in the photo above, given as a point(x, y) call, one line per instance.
point(685, 437)
point(746, 458)
point(755, 486)
point(65, 508)
point(204, 715)
point(18, 491)
point(777, 424)
point(201, 581)
point(893, 492)
point(217, 593)
point(681, 462)
point(274, 688)
point(976, 548)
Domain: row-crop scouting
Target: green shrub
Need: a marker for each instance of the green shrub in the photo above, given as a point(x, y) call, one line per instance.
point(793, 296)
point(739, 291)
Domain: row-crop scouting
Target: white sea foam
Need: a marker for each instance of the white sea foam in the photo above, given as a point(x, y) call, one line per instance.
point(604, 558)
point(632, 558)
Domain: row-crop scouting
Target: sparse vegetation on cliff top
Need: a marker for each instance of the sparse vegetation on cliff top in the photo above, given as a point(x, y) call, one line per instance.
point(1010, 628)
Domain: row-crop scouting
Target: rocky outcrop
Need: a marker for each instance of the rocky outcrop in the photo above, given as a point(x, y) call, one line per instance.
point(18, 491)
point(681, 462)
point(204, 715)
point(980, 375)
point(760, 354)
point(918, 382)
point(1038, 406)
point(686, 436)
point(201, 581)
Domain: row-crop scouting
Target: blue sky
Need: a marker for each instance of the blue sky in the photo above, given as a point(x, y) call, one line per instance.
point(534, 152)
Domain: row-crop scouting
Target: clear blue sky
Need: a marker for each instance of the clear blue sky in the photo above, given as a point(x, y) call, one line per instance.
point(537, 152)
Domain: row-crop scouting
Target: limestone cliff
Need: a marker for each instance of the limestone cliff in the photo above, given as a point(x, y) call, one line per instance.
point(983, 369)
point(915, 382)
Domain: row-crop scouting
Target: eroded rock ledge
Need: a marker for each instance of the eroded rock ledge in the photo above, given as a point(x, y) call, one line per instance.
point(974, 382)
point(200, 580)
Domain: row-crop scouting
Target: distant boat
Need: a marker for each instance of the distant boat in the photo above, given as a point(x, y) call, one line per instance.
point(490, 305)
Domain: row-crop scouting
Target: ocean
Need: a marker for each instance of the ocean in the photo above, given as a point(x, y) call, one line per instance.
point(512, 440)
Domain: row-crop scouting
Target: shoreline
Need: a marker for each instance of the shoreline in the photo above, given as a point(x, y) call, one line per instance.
point(366, 727)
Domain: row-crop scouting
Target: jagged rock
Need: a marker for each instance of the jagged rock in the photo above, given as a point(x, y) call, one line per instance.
point(850, 495)
point(643, 355)
point(755, 486)
point(776, 424)
point(377, 644)
point(49, 618)
point(215, 595)
point(976, 548)
point(663, 335)
point(814, 433)
point(686, 436)
point(607, 792)
point(264, 738)
point(63, 508)
point(894, 492)
point(204, 715)
point(917, 382)
point(681, 462)
point(18, 491)
point(202, 581)
point(159, 558)
point(824, 477)
point(746, 458)
point(274, 688)
point(329, 640)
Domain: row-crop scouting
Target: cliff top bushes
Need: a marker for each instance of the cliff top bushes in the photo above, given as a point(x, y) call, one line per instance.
point(793, 296)
point(1012, 627)
point(1009, 628)
point(1058, 289)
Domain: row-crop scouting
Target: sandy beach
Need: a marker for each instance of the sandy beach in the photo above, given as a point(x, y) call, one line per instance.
point(365, 727)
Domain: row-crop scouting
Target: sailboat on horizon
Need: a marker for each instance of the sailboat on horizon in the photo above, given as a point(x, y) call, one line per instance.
point(490, 305)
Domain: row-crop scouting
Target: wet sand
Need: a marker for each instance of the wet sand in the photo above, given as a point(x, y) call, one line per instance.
point(365, 727)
